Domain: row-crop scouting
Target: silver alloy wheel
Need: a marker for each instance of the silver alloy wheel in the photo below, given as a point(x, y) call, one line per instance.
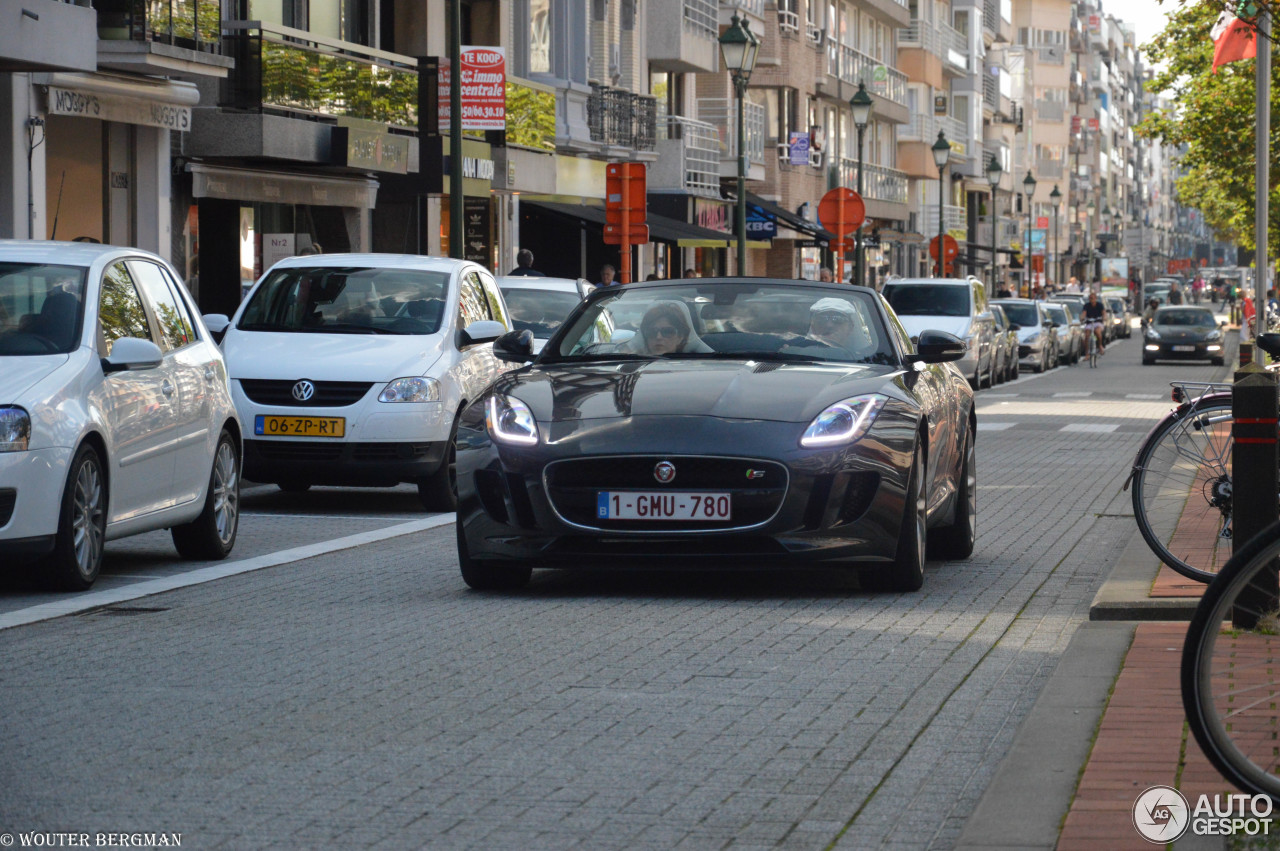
point(226, 492)
point(86, 518)
point(921, 511)
point(971, 485)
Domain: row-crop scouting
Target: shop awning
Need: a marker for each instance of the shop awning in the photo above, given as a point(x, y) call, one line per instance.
point(788, 219)
point(269, 187)
point(661, 229)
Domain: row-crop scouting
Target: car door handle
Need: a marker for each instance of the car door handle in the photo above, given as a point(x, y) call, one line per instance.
point(166, 387)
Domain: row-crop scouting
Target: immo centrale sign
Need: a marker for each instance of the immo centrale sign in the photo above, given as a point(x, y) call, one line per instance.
point(484, 89)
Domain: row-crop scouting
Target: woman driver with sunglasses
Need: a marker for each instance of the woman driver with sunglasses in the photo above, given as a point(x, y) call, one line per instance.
point(664, 330)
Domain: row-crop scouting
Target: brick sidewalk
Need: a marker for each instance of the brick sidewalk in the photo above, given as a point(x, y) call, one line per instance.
point(1143, 741)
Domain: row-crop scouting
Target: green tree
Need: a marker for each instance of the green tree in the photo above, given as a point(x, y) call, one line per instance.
point(1212, 120)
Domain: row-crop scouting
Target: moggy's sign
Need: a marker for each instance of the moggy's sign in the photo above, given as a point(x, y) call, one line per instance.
point(126, 110)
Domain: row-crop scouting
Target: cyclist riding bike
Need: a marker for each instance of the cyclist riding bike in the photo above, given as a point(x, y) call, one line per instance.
point(1092, 318)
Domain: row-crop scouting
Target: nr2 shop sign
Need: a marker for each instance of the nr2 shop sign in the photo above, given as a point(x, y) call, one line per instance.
point(484, 89)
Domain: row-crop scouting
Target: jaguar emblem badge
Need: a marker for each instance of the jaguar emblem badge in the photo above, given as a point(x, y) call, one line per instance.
point(303, 390)
point(665, 472)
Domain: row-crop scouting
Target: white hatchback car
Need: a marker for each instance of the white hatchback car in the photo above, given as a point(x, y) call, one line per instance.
point(540, 304)
point(115, 412)
point(350, 369)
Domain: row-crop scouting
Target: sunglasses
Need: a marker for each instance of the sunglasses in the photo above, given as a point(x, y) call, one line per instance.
point(662, 331)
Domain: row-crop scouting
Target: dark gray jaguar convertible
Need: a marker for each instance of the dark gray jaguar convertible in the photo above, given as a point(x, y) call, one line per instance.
point(739, 422)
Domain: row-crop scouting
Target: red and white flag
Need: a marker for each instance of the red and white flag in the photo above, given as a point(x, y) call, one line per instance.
point(1233, 39)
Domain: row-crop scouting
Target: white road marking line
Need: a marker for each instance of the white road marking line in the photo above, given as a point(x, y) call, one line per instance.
point(1000, 395)
point(1072, 395)
point(1145, 395)
point(995, 426)
point(291, 515)
point(108, 597)
point(1091, 428)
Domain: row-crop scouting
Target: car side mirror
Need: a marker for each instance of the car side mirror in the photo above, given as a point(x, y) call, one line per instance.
point(939, 347)
point(128, 353)
point(217, 323)
point(484, 331)
point(514, 346)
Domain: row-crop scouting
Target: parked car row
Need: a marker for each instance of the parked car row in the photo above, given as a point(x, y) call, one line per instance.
point(123, 411)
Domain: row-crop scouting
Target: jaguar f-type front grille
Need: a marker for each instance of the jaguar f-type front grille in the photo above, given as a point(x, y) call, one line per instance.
point(755, 488)
point(328, 394)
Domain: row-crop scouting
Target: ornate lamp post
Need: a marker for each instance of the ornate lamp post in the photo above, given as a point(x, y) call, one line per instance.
point(1029, 190)
point(941, 153)
point(739, 46)
point(861, 105)
point(1056, 197)
point(994, 171)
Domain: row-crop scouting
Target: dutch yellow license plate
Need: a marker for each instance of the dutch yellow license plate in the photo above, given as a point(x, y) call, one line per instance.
point(299, 426)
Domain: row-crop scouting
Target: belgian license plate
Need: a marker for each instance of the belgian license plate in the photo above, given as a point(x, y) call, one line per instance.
point(299, 426)
point(661, 505)
point(1184, 348)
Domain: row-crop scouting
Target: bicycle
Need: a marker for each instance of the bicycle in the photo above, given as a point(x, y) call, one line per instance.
point(1230, 687)
point(1092, 343)
point(1181, 480)
point(1181, 477)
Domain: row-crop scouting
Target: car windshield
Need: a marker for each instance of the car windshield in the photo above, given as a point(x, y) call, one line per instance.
point(1022, 314)
point(41, 308)
point(928, 299)
point(1057, 314)
point(755, 321)
point(539, 311)
point(348, 300)
point(1075, 308)
point(1196, 318)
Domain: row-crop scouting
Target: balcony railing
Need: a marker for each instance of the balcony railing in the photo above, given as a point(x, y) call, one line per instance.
point(788, 24)
point(955, 48)
point(194, 24)
point(1050, 110)
point(991, 90)
point(623, 118)
point(700, 17)
point(293, 71)
point(723, 115)
point(953, 219)
point(879, 183)
point(755, 7)
point(925, 128)
point(689, 157)
point(1051, 169)
point(854, 66)
point(939, 39)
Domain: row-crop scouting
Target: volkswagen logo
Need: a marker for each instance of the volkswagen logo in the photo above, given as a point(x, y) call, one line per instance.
point(304, 390)
point(665, 472)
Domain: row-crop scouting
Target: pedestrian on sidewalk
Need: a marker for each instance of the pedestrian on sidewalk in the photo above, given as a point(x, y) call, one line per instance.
point(524, 265)
point(825, 276)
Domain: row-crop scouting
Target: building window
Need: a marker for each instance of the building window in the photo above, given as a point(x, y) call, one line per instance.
point(539, 36)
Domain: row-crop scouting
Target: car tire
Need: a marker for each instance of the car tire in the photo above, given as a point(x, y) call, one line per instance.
point(907, 572)
point(294, 487)
point(955, 540)
point(486, 575)
point(76, 559)
point(439, 491)
point(212, 535)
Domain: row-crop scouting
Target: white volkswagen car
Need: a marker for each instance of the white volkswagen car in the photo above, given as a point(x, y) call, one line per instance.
point(350, 369)
point(115, 413)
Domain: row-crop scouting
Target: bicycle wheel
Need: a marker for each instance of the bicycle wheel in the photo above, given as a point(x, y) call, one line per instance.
point(1231, 672)
point(1182, 489)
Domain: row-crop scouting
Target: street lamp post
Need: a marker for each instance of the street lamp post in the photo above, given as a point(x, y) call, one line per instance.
point(941, 153)
point(1029, 190)
point(861, 105)
point(993, 177)
point(739, 47)
point(1055, 196)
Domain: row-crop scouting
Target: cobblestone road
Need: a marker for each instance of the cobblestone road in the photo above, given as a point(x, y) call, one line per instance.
point(365, 698)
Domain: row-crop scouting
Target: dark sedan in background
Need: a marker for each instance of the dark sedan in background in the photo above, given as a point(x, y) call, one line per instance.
point(743, 422)
point(1183, 333)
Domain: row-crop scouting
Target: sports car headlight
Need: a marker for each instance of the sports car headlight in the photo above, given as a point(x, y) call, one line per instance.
point(15, 430)
point(416, 389)
point(843, 422)
point(510, 420)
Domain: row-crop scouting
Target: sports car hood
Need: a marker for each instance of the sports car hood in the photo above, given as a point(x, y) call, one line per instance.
point(957, 325)
point(329, 357)
point(749, 390)
point(20, 374)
